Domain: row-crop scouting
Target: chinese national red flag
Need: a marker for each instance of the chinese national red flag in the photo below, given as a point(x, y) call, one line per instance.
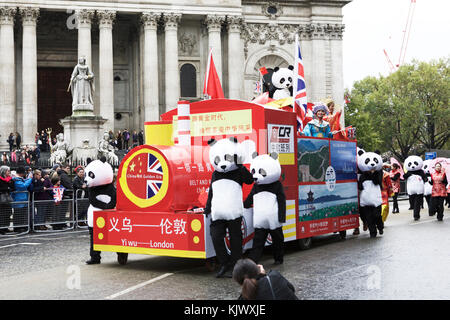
point(212, 88)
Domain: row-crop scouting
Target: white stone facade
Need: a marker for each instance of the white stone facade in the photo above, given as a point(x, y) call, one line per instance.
point(136, 49)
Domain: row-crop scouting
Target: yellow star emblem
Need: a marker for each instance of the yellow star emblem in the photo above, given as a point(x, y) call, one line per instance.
point(132, 167)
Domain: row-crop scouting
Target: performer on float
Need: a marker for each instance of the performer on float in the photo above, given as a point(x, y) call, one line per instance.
point(318, 127)
point(334, 116)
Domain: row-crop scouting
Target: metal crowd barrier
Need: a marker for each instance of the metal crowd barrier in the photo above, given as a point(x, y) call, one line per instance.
point(15, 215)
point(81, 203)
point(52, 215)
point(43, 213)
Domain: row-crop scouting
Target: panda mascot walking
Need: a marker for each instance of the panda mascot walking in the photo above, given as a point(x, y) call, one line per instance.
point(102, 196)
point(369, 184)
point(427, 186)
point(415, 178)
point(269, 205)
point(225, 201)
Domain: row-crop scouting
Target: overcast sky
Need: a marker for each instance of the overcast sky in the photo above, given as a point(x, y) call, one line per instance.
point(374, 25)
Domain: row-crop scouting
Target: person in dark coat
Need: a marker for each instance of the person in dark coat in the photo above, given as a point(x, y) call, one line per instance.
point(6, 187)
point(80, 191)
point(42, 197)
point(18, 140)
point(259, 285)
point(63, 207)
point(11, 141)
point(141, 137)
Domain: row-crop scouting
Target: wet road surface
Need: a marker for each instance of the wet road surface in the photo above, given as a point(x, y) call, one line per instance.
point(410, 261)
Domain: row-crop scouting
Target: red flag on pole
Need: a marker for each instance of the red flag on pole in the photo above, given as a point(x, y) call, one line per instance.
point(212, 89)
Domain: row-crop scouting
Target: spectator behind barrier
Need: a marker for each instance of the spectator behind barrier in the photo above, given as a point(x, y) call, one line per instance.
point(6, 187)
point(43, 196)
point(21, 186)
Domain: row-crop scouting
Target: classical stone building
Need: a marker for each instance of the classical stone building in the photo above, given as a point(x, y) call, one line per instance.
point(147, 54)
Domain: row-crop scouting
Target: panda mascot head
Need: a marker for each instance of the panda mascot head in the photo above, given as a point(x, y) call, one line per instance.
point(225, 154)
point(99, 177)
point(265, 168)
point(98, 173)
point(413, 163)
point(414, 181)
point(426, 167)
point(369, 161)
point(282, 81)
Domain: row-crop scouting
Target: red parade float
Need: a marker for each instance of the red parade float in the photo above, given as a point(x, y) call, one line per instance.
point(162, 185)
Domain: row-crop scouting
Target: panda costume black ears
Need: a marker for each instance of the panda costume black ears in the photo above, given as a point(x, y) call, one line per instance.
point(103, 159)
point(378, 152)
point(212, 141)
point(360, 152)
point(273, 155)
point(277, 68)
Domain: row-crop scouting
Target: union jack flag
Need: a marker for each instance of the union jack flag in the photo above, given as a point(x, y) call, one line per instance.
point(300, 98)
point(258, 88)
point(155, 181)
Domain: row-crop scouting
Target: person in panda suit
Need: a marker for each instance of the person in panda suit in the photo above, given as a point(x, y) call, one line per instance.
point(415, 178)
point(427, 187)
point(369, 184)
point(269, 205)
point(102, 196)
point(225, 201)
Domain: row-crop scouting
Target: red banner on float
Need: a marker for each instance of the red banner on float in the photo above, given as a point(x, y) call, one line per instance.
point(178, 235)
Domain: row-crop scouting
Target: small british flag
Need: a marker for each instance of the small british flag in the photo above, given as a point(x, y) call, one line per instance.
point(258, 87)
point(154, 184)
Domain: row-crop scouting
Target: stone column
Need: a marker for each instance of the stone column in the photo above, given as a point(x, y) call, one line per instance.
point(320, 52)
point(150, 61)
point(106, 67)
point(214, 25)
point(29, 74)
point(7, 75)
point(337, 67)
point(235, 58)
point(172, 73)
point(84, 18)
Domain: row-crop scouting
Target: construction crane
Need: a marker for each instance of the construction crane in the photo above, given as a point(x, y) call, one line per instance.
point(405, 39)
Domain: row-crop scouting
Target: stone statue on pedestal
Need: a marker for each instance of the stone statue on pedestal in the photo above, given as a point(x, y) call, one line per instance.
point(107, 150)
point(60, 151)
point(82, 87)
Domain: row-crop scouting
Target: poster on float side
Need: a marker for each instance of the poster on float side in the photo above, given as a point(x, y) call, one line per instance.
point(328, 189)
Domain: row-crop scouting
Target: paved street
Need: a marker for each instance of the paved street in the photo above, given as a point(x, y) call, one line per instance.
point(410, 261)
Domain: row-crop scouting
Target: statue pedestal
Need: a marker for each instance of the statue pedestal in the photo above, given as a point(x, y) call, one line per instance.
point(78, 128)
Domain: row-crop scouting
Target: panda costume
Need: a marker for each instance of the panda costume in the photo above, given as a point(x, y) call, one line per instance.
point(369, 184)
point(282, 82)
point(102, 196)
point(269, 205)
point(415, 178)
point(427, 186)
point(225, 200)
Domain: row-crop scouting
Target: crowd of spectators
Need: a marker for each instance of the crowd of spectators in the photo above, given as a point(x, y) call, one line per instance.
point(52, 191)
point(125, 140)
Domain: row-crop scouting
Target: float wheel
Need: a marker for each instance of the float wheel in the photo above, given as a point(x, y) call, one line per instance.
point(343, 234)
point(305, 243)
point(122, 258)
